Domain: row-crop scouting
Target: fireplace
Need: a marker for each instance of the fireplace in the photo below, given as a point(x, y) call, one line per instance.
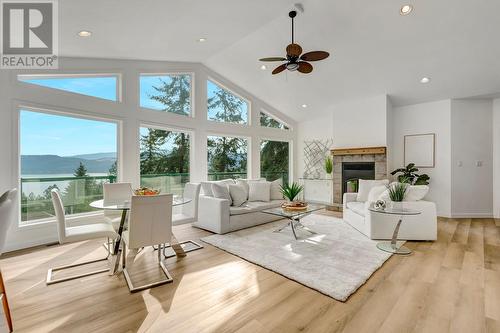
point(353, 171)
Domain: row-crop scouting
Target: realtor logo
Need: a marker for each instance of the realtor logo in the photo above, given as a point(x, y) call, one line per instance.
point(29, 34)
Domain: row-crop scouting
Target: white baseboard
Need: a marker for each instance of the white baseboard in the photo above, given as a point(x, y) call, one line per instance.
point(472, 215)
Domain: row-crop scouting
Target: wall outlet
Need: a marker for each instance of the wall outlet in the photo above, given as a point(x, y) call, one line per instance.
point(479, 163)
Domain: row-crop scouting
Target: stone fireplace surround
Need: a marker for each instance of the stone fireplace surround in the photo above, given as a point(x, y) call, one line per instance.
point(369, 154)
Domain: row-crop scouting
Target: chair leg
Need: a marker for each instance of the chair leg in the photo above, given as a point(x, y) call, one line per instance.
point(172, 251)
point(5, 303)
point(168, 278)
point(50, 280)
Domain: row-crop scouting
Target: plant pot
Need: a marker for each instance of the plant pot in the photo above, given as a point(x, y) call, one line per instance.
point(396, 205)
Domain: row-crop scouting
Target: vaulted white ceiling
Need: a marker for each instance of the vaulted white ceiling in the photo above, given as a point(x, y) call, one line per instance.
point(374, 50)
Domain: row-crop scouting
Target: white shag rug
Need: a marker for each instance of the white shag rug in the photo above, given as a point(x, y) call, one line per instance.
point(336, 261)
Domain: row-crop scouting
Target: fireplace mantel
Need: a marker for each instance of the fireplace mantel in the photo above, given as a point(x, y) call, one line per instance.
point(359, 151)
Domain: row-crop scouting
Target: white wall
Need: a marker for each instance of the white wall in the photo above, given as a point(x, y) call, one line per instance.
point(360, 123)
point(433, 117)
point(471, 144)
point(129, 117)
point(496, 158)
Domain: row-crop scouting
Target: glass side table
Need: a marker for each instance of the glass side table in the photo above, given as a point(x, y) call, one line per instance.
point(391, 246)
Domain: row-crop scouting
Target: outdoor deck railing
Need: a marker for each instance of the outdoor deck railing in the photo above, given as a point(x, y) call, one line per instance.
point(78, 192)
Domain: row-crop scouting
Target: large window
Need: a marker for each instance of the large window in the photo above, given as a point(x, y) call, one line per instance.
point(71, 154)
point(224, 106)
point(227, 157)
point(268, 121)
point(99, 86)
point(169, 93)
point(164, 159)
point(274, 160)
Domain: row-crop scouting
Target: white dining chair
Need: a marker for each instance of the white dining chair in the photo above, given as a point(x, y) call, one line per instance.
point(77, 234)
point(150, 223)
point(115, 194)
point(7, 201)
point(189, 211)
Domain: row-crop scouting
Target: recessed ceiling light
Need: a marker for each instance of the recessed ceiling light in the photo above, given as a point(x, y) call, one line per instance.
point(201, 40)
point(304, 106)
point(263, 67)
point(84, 33)
point(406, 9)
point(425, 80)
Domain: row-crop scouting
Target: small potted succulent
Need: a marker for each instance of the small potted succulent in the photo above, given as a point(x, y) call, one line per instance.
point(397, 193)
point(328, 166)
point(291, 192)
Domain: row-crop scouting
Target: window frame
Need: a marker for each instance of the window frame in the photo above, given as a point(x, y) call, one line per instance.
point(223, 86)
point(57, 111)
point(192, 83)
point(118, 76)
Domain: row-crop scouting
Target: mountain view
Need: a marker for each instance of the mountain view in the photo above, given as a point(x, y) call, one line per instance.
point(54, 164)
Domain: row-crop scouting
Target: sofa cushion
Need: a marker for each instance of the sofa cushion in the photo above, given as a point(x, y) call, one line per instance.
point(238, 194)
point(357, 207)
point(376, 192)
point(254, 206)
point(416, 192)
point(366, 185)
point(259, 191)
point(207, 186)
point(276, 189)
point(221, 191)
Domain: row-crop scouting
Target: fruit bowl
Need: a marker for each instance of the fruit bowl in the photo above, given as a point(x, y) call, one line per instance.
point(146, 191)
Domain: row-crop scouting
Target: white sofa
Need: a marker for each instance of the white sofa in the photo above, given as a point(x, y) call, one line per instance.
point(218, 216)
point(381, 226)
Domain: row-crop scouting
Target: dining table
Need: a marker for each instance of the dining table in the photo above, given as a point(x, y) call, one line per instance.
point(124, 207)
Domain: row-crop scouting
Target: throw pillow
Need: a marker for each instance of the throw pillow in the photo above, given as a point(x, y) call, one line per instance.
point(276, 189)
point(238, 194)
point(416, 192)
point(259, 191)
point(365, 186)
point(376, 192)
point(221, 191)
point(244, 183)
point(207, 186)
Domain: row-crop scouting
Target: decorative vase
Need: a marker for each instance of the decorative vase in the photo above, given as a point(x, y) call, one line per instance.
point(397, 205)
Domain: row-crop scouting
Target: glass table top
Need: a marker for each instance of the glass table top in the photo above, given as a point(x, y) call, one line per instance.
point(293, 213)
point(394, 210)
point(99, 204)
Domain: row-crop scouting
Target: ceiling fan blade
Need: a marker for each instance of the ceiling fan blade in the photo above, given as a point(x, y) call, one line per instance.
point(273, 59)
point(293, 50)
point(305, 67)
point(315, 56)
point(279, 69)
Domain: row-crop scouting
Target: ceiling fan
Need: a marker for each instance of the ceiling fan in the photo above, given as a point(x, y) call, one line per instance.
point(294, 60)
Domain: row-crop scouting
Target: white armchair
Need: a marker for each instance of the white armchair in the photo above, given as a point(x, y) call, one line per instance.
point(381, 226)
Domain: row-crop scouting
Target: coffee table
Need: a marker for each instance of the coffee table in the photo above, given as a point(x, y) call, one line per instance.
point(391, 246)
point(294, 217)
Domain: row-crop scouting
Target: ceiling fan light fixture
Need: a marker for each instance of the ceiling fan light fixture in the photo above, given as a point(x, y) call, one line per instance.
point(292, 66)
point(406, 9)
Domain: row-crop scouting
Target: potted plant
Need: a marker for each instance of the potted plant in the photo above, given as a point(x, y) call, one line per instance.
point(291, 191)
point(397, 193)
point(408, 175)
point(328, 166)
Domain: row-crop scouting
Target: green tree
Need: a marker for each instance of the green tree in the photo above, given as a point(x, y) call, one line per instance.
point(81, 171)
point(156, 157)
point(226, 154)
point(267, 121)
point(274, 159)
point(113, 170)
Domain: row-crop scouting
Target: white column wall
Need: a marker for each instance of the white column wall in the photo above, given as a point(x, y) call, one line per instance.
point(129, 116)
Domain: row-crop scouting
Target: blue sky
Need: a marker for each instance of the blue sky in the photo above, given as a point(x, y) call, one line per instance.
point(46, 134)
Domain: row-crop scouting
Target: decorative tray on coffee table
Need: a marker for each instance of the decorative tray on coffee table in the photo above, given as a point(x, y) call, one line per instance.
point(295, 205)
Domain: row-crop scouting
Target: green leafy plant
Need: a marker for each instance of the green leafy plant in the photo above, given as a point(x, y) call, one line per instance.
point(397, 191)
point(409, 175)
point(328, 165)
point(291, 191)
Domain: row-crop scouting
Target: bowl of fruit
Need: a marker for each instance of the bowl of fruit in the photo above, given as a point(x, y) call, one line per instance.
point(146, 191)
point(294, 205)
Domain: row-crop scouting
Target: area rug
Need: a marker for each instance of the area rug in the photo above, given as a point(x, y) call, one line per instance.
point(336, 261)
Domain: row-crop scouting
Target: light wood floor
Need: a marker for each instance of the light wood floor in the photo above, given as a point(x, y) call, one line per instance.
point(451, 285)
